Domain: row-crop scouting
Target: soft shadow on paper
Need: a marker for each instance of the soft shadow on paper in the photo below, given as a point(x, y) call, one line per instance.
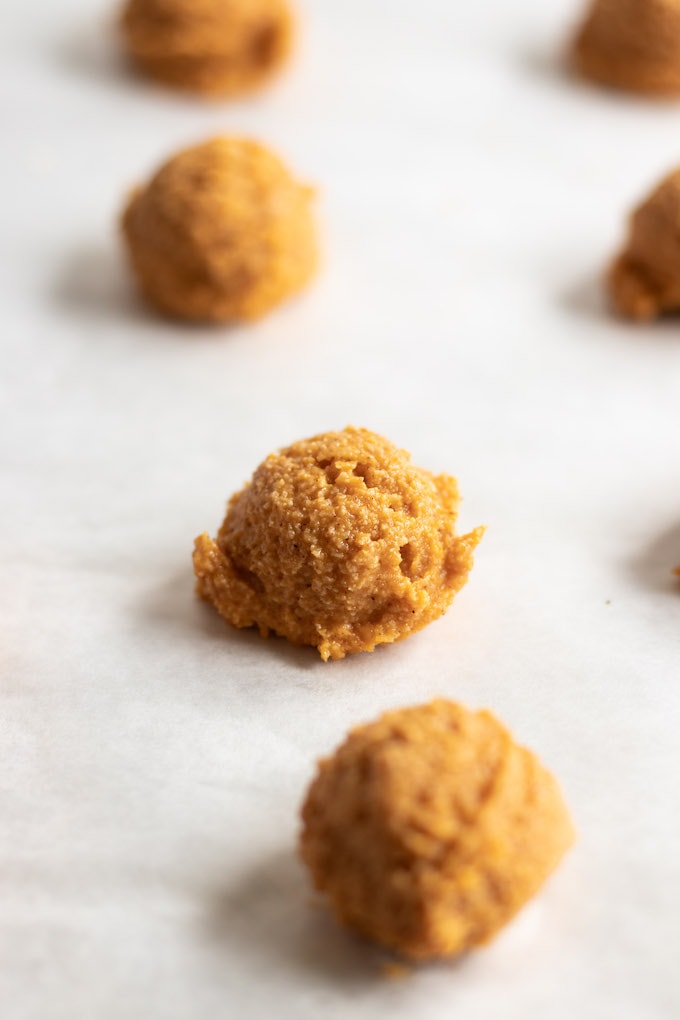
point(554, 65)
point(548, 64)
point(271, 918)
point(586, 298)
point(654, 566)
point(93, 283)
point(94, 51)
point(174, 606)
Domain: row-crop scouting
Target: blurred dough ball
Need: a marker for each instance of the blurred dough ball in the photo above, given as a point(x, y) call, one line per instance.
point(430, 828)
point(632, 45)
point(218, 47)
point(644, 281)
point(221, 233)
point(338, 542)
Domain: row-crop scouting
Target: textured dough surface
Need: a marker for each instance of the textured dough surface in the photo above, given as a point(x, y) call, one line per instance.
point(221, 233)
point(632, 45)
point(337, 542)
point(644, 281)
point(218, 47)
point(430, 828)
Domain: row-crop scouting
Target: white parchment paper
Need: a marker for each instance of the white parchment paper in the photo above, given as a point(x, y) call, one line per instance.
point(153, 760)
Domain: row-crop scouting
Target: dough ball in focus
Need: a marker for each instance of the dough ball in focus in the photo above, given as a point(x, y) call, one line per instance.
point(219, 47)
point(430, 828)
point(337, 542)
point(221, 233)
point(632, 45)
point(644, 281)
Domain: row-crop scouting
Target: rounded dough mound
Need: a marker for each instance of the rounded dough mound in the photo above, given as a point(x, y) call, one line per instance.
point(632, 45)
point(219, 47)
point(430, 828)
point(221, 233)
point(644, 281)
point(337, 542)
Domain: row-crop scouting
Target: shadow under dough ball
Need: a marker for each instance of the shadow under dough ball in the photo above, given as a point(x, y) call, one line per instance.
point(632, 45)
point(218, 47)
point(644, 281)
point(430, 828)
point(338, 542)
point(221, 233)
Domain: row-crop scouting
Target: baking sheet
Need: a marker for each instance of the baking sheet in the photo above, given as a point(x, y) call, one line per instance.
point(153, 759)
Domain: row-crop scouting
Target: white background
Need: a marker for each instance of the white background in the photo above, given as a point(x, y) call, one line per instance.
point(154, 759)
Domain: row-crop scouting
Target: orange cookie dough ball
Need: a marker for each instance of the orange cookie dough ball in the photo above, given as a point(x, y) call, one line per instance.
point(430, 828)
point(644, 281)
point(221, 233)
point(632, 45)
point(337, 542)
point(220, 47)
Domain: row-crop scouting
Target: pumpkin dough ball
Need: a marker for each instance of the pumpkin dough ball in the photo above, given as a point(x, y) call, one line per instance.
point(430, 828)
point(221, 233)
point(337, 542)
point(218, 47)
point(632, 45)
point(644, 281)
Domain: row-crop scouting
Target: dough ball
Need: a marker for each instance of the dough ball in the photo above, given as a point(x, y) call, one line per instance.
point(644, 281)
point(430, 828)
point(632, 45)
point(337, 542)
point(219, 47)
point(221, 233)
